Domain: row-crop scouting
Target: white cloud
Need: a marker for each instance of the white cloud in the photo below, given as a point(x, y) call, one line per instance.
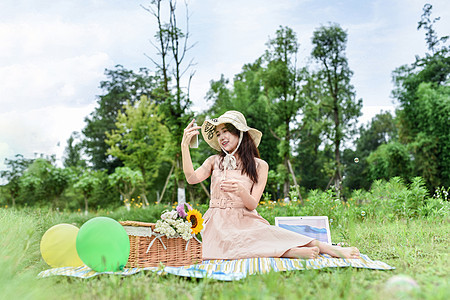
point(370, 111)
point(42, 130)
point(72, 81)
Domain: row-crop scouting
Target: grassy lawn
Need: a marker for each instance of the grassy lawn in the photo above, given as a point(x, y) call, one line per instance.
point(417, 248)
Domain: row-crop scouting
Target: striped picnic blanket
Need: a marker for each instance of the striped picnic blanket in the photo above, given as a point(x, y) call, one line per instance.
point(232, 269)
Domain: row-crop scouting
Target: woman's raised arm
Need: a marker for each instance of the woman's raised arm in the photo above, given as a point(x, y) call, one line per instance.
point(193, 176)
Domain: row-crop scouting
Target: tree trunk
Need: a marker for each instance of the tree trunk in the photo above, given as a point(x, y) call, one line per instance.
point(297, 189)
point(165, 184)
point(337, 146)
point(85, 205)
point(205, 189)
point(144, 197)
point(55, 201)
point(286, 186)
point(181, 195)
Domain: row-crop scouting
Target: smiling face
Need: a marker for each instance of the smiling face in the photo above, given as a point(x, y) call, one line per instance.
point(227, 140)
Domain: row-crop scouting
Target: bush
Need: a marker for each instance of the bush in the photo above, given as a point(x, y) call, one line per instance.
point(389, 160)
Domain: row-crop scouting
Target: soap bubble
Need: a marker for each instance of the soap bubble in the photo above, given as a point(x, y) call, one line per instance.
point(356, 160)
point(400, 283)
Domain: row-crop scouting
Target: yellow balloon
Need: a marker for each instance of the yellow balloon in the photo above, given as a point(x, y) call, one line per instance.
point(58, 246)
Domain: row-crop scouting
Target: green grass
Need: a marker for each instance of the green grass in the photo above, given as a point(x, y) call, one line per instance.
point(415, 247)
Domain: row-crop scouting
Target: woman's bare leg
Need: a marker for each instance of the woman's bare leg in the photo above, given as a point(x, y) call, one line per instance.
point(302, 252)
point(335, 251)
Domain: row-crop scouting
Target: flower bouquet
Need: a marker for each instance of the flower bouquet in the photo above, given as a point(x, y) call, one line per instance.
point(178, 223)
point(170, 241)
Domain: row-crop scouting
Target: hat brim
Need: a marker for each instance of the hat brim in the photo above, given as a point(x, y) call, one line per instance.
point(209, 128)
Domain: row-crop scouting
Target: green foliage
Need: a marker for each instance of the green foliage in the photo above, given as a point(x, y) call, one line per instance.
point(425, 104)
point(424, 96)
point(140, 139)
point(16, 168)
point(394, 199)
point(386, 200)
point(104, 195)
point(87, 184)
point(427, 24)
point(312, 154)
point(380, 130)
point(281, 80)
point(389, 160)
point(274, 181)
point(172, 43)
point(121, 86)
point(73, 154)
point(126, 181)
point(266, 92)
point(431, 146)
point(43, 183)
point(338, 104)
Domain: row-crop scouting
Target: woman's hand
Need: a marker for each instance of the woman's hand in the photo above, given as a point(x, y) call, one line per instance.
point(189, 132)
point(232, 186)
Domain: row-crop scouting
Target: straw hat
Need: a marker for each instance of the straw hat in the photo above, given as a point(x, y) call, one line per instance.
point(236, 119)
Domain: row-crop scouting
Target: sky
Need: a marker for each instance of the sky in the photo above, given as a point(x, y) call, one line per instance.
point(53, 53)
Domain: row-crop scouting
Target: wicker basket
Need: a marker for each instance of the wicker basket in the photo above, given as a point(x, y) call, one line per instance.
point(149, 250)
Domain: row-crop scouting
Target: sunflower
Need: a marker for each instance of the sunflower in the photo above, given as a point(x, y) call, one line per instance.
point(195, 217)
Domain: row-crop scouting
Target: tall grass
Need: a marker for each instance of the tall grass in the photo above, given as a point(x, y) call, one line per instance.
point(20, 258)
point(417, 248)
point(414, 239)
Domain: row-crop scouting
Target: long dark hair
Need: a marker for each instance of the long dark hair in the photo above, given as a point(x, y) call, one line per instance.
point(247, 152)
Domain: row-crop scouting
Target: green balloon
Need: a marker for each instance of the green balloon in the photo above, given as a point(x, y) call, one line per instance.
point(103, 244)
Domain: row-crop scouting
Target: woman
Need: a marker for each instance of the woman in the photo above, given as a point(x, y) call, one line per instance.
point(233, 228)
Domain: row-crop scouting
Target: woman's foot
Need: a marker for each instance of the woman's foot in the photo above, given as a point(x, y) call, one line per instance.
point(335, 251)
point(302, 252)
point(344, 252)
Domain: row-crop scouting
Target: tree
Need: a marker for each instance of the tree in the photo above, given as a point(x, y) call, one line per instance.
point(140, 139)
point(122, 85)
point(73, 154)
point(339, 104)
point(427, 24)
point(421, 89)
point(431, 144)
point(389, 160)
point(380, 130)
point(126, 181)
point(42, 181)
point(87, 184)
point(15, 170)
point(314, 156)
point(281, 84)
point(173, 45)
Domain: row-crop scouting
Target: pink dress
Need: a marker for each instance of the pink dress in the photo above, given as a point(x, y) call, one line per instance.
point(231, 231)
